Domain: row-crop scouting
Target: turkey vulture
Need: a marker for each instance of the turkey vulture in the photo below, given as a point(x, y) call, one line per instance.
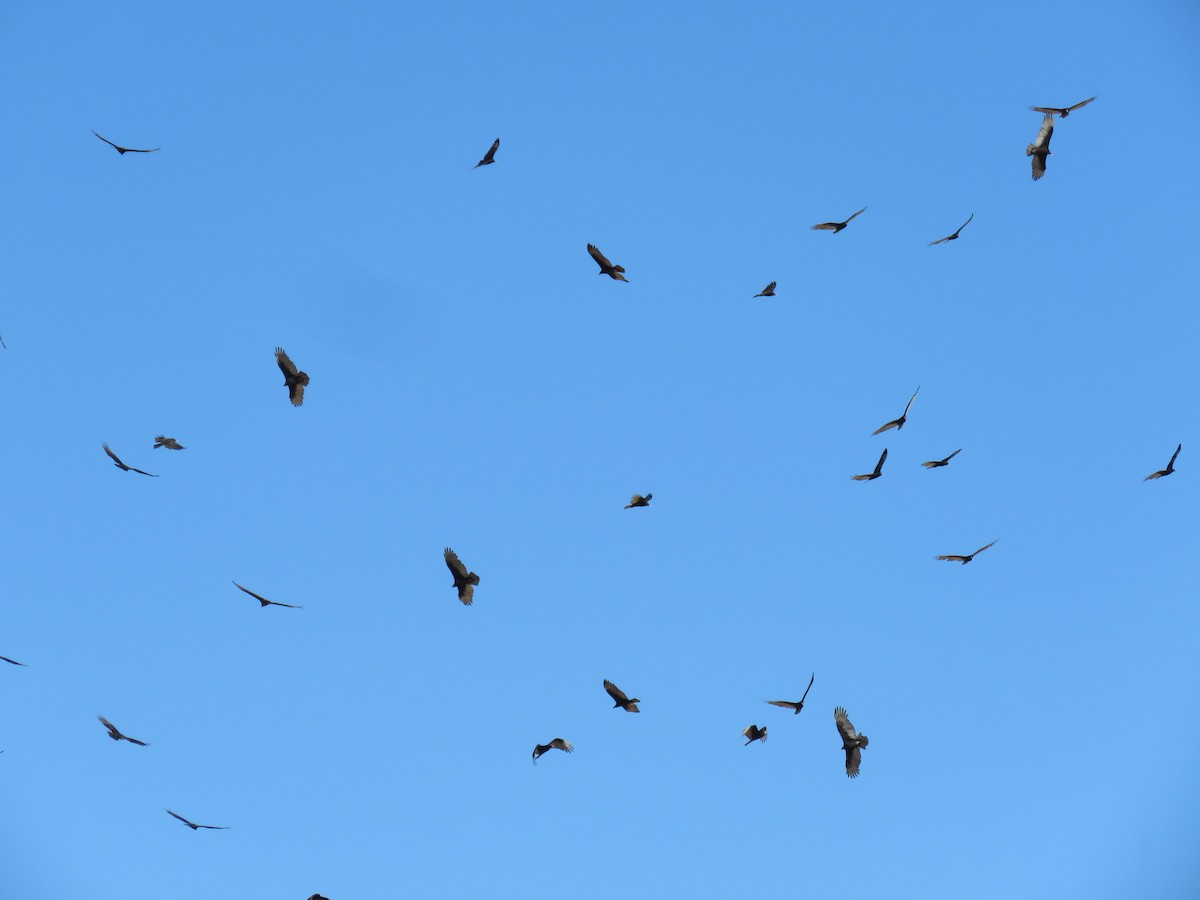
point(638, 500)
point(852, 741)
point(490, 156)
point(1040, 148)
point(1168, 470)
point(898, 423)
point(768, 291)
point(1052, 110)
point(12, 661)
point(194, 826)
point(556, 744)
point(169, 443)
point(835, 227)
point(799, 704)
point(264, 601)
point(938, 463)
point(953, 237)
point(754, 733)
point(116, 735)
point(120, 465)
point(619, 696)
point(878, 469)
point(119, 149)
point(965, 559)
point(293, 379)
point(464, 581)
point(606, 268)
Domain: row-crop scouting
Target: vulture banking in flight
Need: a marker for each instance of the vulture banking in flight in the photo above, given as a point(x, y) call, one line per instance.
point(293, 379)
point(263, 600)
point(1168, 470)
point(464, 581)
point(878, 469)
point(490, 156)
point(120, 465)
point(938, 463)
point(852, 741)
point(952, 557)
point(795, 706)
point(835, 227)
point(1040, 148)
point(639, 500)
point(192, 825)
point(1059, 111)
point(169, 443)
point(768, 291)
point(556, 744)
point(953, 237)
point(622, 701)
point(120, 149)
point(606, 268)
point(754, 733)
point(898, 423)
point(116, 735)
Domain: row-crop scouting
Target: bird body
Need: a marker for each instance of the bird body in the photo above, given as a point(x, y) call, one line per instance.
point(293, 379)
point(938, 463)
point(556, 744)
point(965, 559)
point(835, 227)
point(1060, 111)
point(116, 735)
point(263, 600)
point(754, 733)
point(464, 581)
point(606, 267)
point(852, 742)
point(768, 291)
point(168, 442)
point(620, 698)
point(120, 465)
point(1162, 473)
point(878, 469)
point(638, 500)
point(1040, 148)
point(490, 156)
point(797, 705)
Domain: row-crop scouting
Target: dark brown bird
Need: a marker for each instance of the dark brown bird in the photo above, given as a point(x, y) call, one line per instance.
point(120, 149)
point(898, 423)
point(556, 744)
point(754, 733)
point(953, 237)
point(1040, 148)
point(1168, 470)
point(852, 741)
point(1063, 113)
point(965, 559)
point(12, 661)
point(619, 696)
point(120, 465)
point(192, 825)
point(878, 469)
point(169, 443)
point(317, 897)
point(799, 704)
point(464, 581)
point(606, 268)
point(638, 500)
point(116, 735)
point(264, 601)
point(768, 291)
point(835, 227)
point(490, 156)
point(293, 379)
point(938, 463)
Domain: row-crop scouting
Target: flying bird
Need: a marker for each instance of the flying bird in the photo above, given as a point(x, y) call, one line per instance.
point(852, 741)
point(1056, 110)
point(169, 443)
point(754, 733)
point(835, 227)
point(12, 661)
point(120, 149)
point(464, 581)
point(878, 469)
point(120, 465)
point(194, 826)
point(606, 268)
point(293, 379)
point(1168, 470)
point(264, 601)
point(317, 897)
point(638, 500)
point(2, 344)
point(490, 156)
point(768, 291)
point(898, 423)
point(938, 463)
point(799, 704)
point(953, 237)
point(556, 744)
point(116, 735)
point(965, 559)
point(619, 696)
point(1040, 148)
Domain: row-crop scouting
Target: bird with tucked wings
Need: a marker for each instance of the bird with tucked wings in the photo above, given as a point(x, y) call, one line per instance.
point(122, 150)
point(620, 698)
point(835, 227)
point(768, 291)
point(1040, 148)
point(1162, 473)
point(938, 463)
point(852, 742)
point(116, 735)
point(293, 379)
point(263, 600)
point(754, 733)
point(796, 705)
point(898, 423)
point(639, 500)
point(556, 744)
point(168, 442)
point(953, 557)
point(192, 825)
point(878, 469)
point(490, 156)
point(120, 465)
point(1060, 111)
point(464, 581)
point(606, 268)
point(953, 237)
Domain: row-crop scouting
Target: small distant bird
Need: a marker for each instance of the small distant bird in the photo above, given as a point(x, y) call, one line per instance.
point(293, 379)
point(490, 156)
point(120, 149)
point(263, 600)
point(953, 237)
point(1040, 148)
point(192, 825)
point(317, 897)
point(12, 661)
point(169, 443)
point(1168, 470)
point(799, 704)
point(638, 500)
point(606, 267)
point(120, 465)
point(852, 741)
point(754, 733)
point(878, 469)
point(619, 696)
point(556, 744)
point(116, 735)
point(768, 291)
point(2, 344)
point(938, 463)
point(835, 227)
point(1052, 110)
point(898, 423)
point(464, 581)
point(965, 559)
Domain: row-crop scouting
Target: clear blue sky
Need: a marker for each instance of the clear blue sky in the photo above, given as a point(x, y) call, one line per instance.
point(476, 384)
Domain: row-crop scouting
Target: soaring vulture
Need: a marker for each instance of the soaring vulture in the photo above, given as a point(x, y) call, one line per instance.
point(965, 559)
point(116, 735)
point(606, 268)
point(12, 661)
point(938, 463)
point(1053, 110)
point(953, 237)
point(122, 150)
point(464, 581)
point(192, 825)
point(754, 733)
point(169, 443)
point(263, 600)
point(797, 705)
point(556, 744)
point(638, 500)
point(622, 701)
point(768, 291)
point(1040, 148)
point(898, 423)
point(1168, 470)
point(878, 469)
point(490, 156)
point(120, 465)
point(852, 741)
point(835, 227)
point(293, 379)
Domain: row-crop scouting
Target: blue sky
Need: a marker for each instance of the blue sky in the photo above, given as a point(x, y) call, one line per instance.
point(476, 384)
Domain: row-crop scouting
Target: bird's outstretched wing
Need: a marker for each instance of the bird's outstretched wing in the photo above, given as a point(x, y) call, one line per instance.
point(618, 695)
point(12, 661)
point(951, 557)
point(856, 215)
point(984, 547)
point(602, 260)
point(845, 728)
point(909, 404)
point(285, 364)
point(768, 291)
point(192, 825)
point(489, 157)
point(786, 704)
point(119, 148)
point(809, 688)
point(263, 600)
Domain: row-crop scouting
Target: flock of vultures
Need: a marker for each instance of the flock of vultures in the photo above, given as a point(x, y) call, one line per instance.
point(465, 581)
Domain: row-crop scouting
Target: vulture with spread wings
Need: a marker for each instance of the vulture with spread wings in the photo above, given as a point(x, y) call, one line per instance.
point(639, 500)
point(192, 825)
point(263, 600)
point(116, 735)
point(852, 741)
point(1060, 111)
point(120, 465)
point(938, 463)
point(953, 237)
point(620, 698)
point(878, 469)
point(464, 581)
point(293, 379)
point(169, 443)
point(768, 291)
point(1040, 148)
point(952, 557)
point(490, 156)
point(1161, 473)
point(796, 706)
point(606, 267)
point(835, 227)
point(898, 423)
point(556, 744)
point(120, 149)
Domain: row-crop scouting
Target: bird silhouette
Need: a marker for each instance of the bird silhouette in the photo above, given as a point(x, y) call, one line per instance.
point(638, 500)
point(120, 465)
point(1058, 110)
point(169, 443)
point(556, 744)
point(952, 557)
point(953, 237)
point(1040, 148)
point(835, 227)
point(798, 705)
point(938, 463)
point(490, 156)
point(464, 581)
point(878, 469)
point(619, 696)
point(119, 148)
point(754, 733)
point(12, 661)
point(263, 600)
point(116, 735)
point(192, 825)
point(293, 379)
point(606, 267)
point(898, 423)
point(1168, 470)
point(768, 291)
point(852, 741)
